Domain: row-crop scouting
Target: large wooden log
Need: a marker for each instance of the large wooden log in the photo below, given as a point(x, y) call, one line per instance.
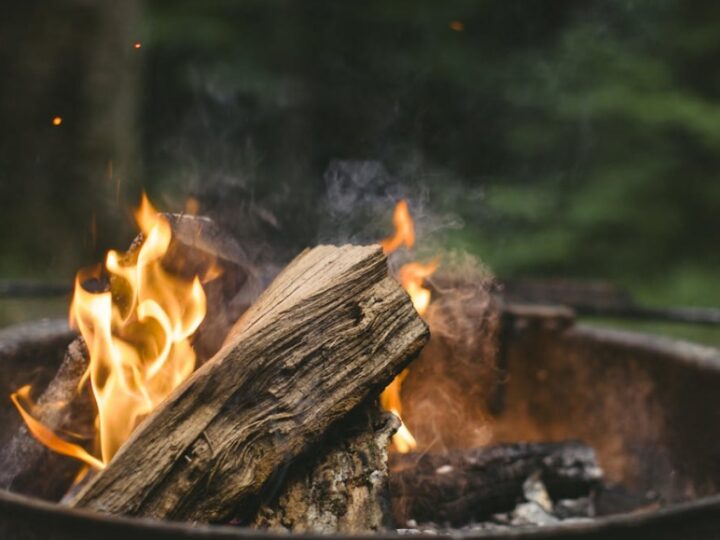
point(331, 330)
point(341, 486)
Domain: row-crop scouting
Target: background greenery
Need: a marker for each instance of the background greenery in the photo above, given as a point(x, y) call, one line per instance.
point(572, 139)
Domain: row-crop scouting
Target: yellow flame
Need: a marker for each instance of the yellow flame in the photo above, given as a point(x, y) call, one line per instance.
point(412, 277)
point(403, 440)
point(138, 336)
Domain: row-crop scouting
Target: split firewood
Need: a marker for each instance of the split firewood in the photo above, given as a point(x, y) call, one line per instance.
point(29, 467)
point(465, 485)
point(198, 247)
point(330, 331)
point(341, 489)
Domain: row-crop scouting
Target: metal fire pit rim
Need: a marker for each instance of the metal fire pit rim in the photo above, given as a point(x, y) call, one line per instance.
point(688, 352)
point(698, 511)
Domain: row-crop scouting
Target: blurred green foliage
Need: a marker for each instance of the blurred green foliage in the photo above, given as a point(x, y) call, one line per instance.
point(573, 139)
point(581, 138)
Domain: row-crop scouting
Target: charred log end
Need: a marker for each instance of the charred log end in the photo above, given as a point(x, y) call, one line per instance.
point(341, 485)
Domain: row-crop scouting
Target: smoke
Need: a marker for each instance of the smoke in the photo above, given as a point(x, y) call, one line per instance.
point(358, 201)
point(446, 392)
point(274, 218)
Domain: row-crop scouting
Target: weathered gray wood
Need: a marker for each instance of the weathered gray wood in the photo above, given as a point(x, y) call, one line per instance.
point(341, 489)
point(331, 330)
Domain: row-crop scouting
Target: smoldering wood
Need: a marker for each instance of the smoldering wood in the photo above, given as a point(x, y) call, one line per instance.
point(332, 329)
point(29, 467)
point(465, 485)
point(30, 353)
point(197, 246)
point(339, 486)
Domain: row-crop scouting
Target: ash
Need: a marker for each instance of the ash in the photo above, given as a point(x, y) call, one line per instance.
point(534, 509)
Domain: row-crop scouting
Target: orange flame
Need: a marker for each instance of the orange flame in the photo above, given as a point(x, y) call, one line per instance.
point(412, 277)
point(46, 436)
point(138, 336)
point(404, 229)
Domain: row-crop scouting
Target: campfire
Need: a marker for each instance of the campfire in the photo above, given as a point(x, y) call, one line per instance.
point(359, 391)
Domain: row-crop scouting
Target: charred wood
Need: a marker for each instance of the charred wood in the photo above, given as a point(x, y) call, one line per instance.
point(30, 354)
point(466, 485)
point(341, 489)
point(29, 467)
point(198, 247)
point(231, 282)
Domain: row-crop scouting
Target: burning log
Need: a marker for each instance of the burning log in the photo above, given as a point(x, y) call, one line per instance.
point(28, 467)
point(344, 489)
point(331, 330)
point(465, 485)
point(198, 247)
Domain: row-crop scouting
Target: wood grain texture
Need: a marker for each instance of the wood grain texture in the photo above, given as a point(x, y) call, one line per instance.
point(332, 329)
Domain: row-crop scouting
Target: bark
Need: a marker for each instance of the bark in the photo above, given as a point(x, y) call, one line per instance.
point(330, 331)
point(343, 489)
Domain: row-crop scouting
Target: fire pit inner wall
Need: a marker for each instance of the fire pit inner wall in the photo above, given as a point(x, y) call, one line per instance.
point(647, 404)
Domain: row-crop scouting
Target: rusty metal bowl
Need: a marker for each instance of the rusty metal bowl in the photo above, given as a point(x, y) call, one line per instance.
point(649, 405)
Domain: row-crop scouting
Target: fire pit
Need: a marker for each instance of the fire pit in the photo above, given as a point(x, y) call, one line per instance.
point(340, 400)
point(646, 404)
